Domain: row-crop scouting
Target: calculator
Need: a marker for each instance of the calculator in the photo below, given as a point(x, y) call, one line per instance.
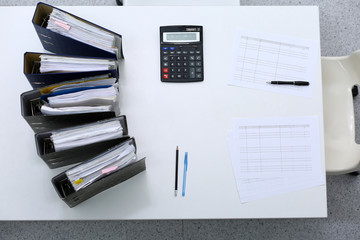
point(181, 54)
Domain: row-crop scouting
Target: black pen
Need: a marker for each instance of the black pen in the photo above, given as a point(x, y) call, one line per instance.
point(176, 170)
point(296, 83)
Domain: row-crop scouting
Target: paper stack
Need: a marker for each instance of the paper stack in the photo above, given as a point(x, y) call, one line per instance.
point(272, 156)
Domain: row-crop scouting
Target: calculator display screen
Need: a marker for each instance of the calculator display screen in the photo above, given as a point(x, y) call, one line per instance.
point(181, 37)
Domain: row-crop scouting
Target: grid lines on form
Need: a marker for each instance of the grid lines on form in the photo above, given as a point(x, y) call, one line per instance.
point(274, 149)
point(260, 60)
point(272, 156)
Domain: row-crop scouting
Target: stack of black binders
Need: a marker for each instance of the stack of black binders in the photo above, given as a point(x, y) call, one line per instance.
point(74, 105)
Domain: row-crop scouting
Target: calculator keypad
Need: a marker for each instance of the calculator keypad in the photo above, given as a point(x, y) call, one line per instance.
point(181, 63)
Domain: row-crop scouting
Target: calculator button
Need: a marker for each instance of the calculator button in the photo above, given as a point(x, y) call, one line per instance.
point(181, 63)
point(192, 72)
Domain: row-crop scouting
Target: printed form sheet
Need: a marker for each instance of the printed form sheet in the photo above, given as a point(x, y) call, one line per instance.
point(271, 156)
point(261, 57)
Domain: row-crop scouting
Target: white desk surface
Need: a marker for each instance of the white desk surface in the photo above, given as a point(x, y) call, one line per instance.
point(195, 116)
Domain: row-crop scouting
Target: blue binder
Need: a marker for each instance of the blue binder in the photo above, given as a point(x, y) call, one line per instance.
point(60, 44)
point(39, 80)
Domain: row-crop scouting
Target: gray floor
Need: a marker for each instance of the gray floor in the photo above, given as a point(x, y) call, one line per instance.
point(340, 35)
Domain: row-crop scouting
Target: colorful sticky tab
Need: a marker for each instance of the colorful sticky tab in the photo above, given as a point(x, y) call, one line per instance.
point(78, 181)
point(110, 169)
point(62, 24)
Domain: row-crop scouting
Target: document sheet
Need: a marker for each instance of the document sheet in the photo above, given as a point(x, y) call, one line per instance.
point(54, 63)
point(86, 134)
point(262, 57)
point(93, 94)
point(271, 156)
